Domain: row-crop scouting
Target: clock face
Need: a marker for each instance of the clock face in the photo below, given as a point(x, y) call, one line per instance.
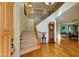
point(51, 27)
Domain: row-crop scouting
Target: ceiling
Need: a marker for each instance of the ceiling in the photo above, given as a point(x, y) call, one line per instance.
point(70, 15)
point(42, 10)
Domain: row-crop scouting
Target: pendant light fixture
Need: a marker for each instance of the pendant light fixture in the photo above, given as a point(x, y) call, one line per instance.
point(30, 5)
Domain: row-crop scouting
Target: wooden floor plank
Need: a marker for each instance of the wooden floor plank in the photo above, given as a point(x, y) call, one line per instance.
point(67, 48)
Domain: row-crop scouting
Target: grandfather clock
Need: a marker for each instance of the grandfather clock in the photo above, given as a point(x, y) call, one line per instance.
point(51, 32)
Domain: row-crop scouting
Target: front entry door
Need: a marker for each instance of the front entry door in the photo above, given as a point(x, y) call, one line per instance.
point(51, 32)
point(6, 28)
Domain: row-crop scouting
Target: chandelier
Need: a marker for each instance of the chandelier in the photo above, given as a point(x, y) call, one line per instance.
point(49, 3)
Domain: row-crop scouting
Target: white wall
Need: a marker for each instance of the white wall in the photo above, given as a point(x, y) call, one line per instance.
point(58, 37)
point(23, 19)
point(43, 27)
point(17, 29)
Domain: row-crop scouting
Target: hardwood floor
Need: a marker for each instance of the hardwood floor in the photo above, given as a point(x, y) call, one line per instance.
point(67, 48)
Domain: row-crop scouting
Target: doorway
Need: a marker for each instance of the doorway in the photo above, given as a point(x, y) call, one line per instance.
point(70, 32)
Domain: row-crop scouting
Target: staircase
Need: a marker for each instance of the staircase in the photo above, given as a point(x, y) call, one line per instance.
point(28, 42)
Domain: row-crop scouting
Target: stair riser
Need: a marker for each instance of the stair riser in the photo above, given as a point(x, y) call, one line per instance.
point(28, 41)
